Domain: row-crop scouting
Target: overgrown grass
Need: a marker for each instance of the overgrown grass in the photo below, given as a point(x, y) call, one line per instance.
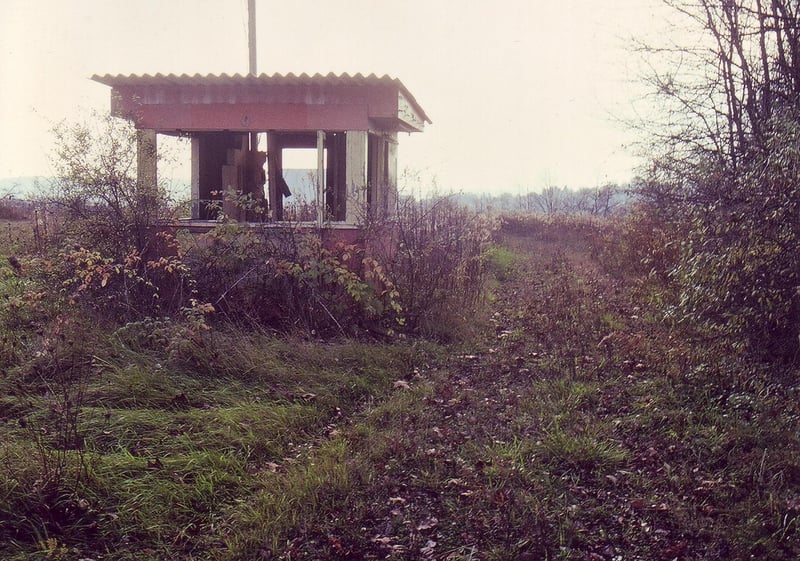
point(556, 441)
point(577, 424)
point(168, 450)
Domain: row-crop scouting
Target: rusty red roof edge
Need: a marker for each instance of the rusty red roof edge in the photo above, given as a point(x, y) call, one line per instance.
point(123, 80)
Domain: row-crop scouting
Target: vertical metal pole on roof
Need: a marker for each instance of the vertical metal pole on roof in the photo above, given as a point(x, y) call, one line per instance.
point(251, 36)
point(251, 50)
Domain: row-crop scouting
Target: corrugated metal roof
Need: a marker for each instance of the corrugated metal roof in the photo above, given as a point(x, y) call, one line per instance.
point(291, 79)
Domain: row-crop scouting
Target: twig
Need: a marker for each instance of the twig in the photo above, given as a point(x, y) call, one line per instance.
point(231, 287)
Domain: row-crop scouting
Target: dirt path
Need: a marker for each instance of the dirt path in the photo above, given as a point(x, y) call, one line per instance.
point(578, 426)
point(490, 456)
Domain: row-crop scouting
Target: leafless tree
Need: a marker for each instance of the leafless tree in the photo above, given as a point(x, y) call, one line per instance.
point(729, 168)
point(550, 200)
point(600, 201)
point(721, 92)
point(95, 190)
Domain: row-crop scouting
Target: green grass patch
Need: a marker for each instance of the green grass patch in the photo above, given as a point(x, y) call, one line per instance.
point(166, 450)
point(499, 261)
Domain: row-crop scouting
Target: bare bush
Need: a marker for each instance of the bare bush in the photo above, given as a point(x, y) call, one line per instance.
point(726, 170)
point(438, 268)
point(95, 194)
point(99, 229)
point(287, 278)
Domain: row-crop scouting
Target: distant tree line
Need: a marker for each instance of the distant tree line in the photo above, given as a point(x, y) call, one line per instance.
point(604, 201)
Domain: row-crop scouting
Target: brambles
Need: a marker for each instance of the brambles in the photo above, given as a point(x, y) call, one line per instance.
point(288, 279)
point(438, 268)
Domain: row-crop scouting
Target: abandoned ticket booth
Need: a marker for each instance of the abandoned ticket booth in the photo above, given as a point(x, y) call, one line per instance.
point(351, 121)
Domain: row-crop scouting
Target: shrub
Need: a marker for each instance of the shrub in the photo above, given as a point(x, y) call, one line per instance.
point(738, 272)
point(95, 198)
point(438, 266)
point(102, 249)
point(426, 282)
point(555, 227)
point(13, 209)
point(643, 243)
point(286, 278)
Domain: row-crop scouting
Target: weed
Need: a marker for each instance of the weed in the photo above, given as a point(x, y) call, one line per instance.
point(499, 260)
point(288, 279)
point(46, 485)
point(438, 268)
point(583, 452)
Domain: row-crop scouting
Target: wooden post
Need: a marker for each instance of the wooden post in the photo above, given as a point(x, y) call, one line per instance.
point(195, 178)
point(274, 171)
point(356, 176)
point(320, 178)
point(146, 165)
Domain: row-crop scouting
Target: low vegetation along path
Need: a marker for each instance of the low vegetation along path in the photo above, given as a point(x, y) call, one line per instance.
point(543, 440)
point(576, 423)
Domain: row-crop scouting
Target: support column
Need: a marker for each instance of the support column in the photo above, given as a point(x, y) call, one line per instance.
point(195, 178)
point(390, 203)
point(356, 176)
point(320, 178)
point(274, 176)
point(146, 166)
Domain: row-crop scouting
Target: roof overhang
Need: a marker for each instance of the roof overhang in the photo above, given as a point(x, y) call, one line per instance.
point(258, 103)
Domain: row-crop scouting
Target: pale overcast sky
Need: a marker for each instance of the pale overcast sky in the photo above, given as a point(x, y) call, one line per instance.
point(522, 93)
